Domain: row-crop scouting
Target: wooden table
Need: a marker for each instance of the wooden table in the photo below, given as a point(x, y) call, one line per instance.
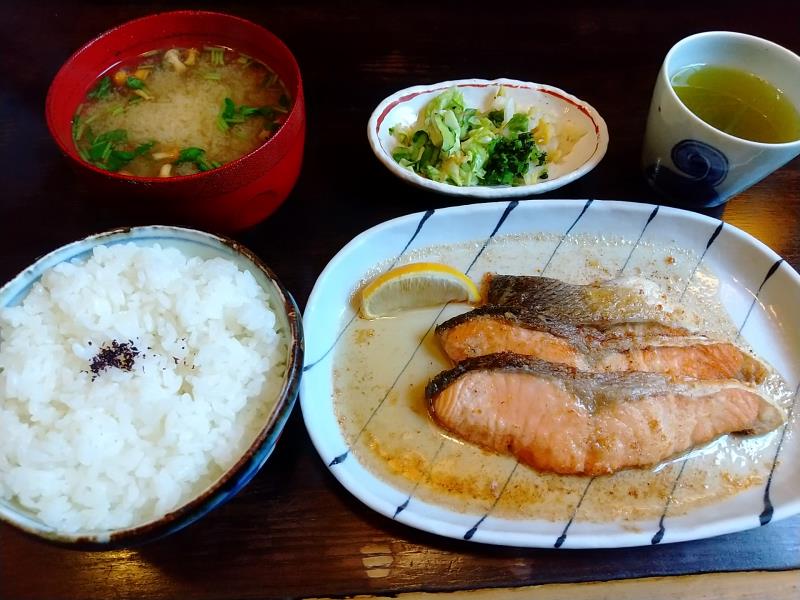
point(294, 531)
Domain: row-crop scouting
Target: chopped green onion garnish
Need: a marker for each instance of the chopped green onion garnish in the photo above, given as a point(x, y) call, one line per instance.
point(250, 111)
point(196, 156)
point(101, 90)
point(77, 128)
point(134, 83)
point(212, 76)
point(190, 154)
point(104, 154)
point(230, 114)
point(217, 55)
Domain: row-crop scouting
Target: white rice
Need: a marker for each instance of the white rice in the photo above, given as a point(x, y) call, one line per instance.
point(85, 451)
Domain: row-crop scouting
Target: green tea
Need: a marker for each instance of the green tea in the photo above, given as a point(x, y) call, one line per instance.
point(737, 102)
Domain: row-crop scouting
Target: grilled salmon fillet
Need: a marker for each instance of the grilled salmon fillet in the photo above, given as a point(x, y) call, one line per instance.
point(633, 299)
point(601, 347)
point(556, 418)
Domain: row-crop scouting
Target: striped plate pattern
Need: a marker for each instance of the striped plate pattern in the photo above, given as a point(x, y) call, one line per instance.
point(759, 290)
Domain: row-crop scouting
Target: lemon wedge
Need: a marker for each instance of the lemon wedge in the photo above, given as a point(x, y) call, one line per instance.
point(416, 285)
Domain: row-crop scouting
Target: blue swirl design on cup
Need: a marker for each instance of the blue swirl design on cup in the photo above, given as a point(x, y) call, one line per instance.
point(703, 166)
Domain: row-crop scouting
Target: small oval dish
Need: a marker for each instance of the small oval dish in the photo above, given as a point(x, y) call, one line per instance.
point(162, 422)
point(558, 108)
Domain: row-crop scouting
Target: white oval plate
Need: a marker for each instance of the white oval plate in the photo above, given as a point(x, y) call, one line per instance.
point(758, 289)
point(403, 108)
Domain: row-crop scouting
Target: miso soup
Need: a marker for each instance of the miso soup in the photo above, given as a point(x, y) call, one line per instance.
point(179, 111)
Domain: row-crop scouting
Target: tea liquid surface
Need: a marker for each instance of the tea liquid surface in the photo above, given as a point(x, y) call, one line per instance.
point(737, 102)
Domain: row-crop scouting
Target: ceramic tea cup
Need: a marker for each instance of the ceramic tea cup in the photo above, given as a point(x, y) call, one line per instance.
point(693, 163)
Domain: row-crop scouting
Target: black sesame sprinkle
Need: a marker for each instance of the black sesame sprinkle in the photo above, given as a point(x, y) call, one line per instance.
point(120, 356)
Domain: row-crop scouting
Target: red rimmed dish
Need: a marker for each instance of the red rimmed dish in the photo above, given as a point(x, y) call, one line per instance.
point(236, 195)
point(559, 109)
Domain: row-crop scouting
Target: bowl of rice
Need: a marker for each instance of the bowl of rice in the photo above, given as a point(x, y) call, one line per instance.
point(145, 376)
point(163, 116)
point(487, 139)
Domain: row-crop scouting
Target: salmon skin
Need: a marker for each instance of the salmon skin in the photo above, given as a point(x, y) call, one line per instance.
point(556, 418)
point(601, 346)
point(605, 302)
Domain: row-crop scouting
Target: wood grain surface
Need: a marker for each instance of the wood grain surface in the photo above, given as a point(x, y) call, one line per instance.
point(294, 531)
point(781, 585)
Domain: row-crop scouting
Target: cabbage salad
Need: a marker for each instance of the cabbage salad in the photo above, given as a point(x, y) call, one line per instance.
point(453, 144)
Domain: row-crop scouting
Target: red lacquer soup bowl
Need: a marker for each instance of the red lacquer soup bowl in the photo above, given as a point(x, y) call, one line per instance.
point(234, 196)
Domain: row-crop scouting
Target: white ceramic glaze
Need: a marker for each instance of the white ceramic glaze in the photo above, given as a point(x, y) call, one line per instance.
point(403, 108)
point(767, 308)
point(687, 159)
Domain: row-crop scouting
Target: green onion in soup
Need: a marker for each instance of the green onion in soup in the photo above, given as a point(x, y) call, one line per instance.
point(179, 111)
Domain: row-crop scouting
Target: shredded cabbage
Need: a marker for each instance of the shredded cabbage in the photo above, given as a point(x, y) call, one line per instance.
point(453, 144)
